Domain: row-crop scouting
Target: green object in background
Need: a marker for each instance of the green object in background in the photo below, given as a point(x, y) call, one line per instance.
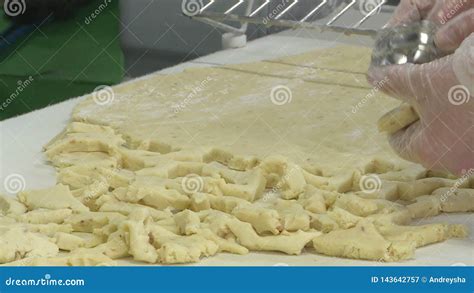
point(61, 60)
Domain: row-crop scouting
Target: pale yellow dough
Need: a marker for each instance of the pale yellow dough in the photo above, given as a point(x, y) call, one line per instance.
point(267, 156)
point(398, 119)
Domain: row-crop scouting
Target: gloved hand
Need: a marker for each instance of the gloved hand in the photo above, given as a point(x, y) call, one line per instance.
point(441, 91)
point(454, 16)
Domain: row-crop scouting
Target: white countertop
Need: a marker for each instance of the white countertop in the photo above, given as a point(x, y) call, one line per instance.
point(22, 138)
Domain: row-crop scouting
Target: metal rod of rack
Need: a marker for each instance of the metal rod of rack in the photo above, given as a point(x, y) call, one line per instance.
point(205, 13)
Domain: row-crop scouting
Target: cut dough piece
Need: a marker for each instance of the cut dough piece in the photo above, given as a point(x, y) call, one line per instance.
point(80, 127)
point(57, 197)
point(289, 243)
point(115, 247)
point(199, 202)
point(317, 181)
point(43, 216)
point(117, 177)
point(80, 176)
point(225, 245)
point(126, 208)
point(455, 200)
point(263, 220)
point(88, 221)
point(17, 243)
point(216, 170)
point(139, 242)
point(136, 160)
point(250, 191)
point(342, 182)
point(217, 222)
point(170, 169)
point(157, 197)
point(387, 190)
point(411, 190)
point(76, 176)
point(225, 157)
point(380, 165)
point(343, 218)
point(69, 242)
point(425, 206)
point(313, 200)
point(85, 142)
point(448, 200)
point(89, 195)
point(11, 206)
point(363, 242)
point(91, 239)
point(421, 235)
point(323, 223)
point(226, 204)
point(398, 119)
point(175, 249)
point(411, 173)
point(356, 205)
point(188, 222)
point(247, 185)
point(294, 217)
point(399, 216)
point(48, 230)
point(89, 159)
point(291, 180)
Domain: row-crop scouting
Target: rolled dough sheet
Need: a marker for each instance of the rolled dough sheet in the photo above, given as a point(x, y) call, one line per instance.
point(307, 73)
point(327, 125)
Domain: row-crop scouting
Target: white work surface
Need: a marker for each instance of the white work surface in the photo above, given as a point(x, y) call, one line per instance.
point(22, 139)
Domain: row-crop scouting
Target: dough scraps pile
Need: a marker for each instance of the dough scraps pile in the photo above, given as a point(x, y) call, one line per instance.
point(173, 169)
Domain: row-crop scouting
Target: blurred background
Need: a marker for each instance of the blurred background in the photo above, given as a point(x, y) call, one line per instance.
point(52, 50)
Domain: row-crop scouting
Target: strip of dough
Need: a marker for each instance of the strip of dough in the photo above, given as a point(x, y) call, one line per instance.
point(363, 242)
point(397, 119)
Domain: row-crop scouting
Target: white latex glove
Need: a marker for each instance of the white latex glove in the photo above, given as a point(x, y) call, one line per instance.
point(441, 91)
point(455, 17)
